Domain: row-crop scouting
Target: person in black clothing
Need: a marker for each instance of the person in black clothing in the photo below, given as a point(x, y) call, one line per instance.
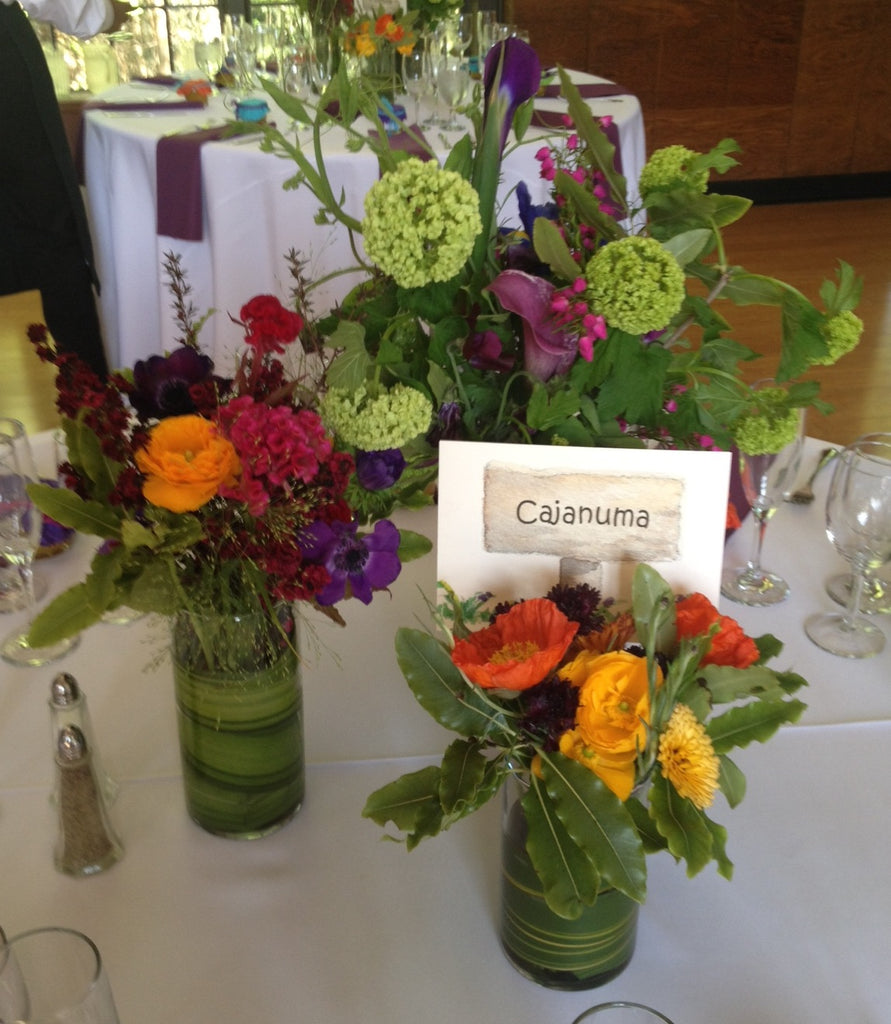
point(44, 237)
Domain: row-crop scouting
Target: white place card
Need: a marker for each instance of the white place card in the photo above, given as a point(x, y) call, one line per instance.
point(516, 519)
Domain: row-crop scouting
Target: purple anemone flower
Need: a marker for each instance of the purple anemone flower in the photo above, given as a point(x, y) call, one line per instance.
point(547, 349)
point(163, 382)
point(358, 565)
point(376, 471)
point(483, 351)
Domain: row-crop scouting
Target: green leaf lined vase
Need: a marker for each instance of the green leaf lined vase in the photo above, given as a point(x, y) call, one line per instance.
point(239, 708)
point(558, 952)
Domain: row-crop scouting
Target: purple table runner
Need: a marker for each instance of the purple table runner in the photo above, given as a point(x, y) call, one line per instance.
point(178, 183)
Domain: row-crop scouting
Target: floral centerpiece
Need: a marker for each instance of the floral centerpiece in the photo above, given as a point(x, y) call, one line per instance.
point(220, 501)
point(619, 725)
point(374, 41)
point(591, 320)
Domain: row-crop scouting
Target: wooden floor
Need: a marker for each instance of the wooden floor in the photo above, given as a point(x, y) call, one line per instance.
point(798, 243)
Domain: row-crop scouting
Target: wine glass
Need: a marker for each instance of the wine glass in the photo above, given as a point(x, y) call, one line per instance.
point(434, 44)
point(858, 522)
point(453, 83)
point(297, 82)
point(209, 56)
point(875, 598)
point(462, 30)
point(20, 528)
point(765, 478)
point(414, 79)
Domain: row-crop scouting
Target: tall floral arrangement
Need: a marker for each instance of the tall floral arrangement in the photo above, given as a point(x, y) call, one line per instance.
point(209, 492)
point(621, 723)
point(590, 320)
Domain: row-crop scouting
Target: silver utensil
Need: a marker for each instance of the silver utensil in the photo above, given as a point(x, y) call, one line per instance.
point(805, 495)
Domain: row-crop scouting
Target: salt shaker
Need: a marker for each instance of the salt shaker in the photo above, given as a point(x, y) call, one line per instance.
point(68, 706)
point(87, 843)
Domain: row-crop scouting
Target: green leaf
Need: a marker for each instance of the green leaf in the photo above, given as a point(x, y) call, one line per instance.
point(727, 684)
point(460, 158)
point(599, 823)
point(569, 879)
point(719, 847)
point(546, 409)
point(551, 248)
point(753, 289)
point(70, 510)
point(738, 727)
point(70, 613)
point(683, 826)
point(85, 450)
point(587, 206)
point(154, 589)
point(652, 602)
point(350, 368)
point(688, 245)
point(440, 687)
point(411, 803)
point(732, 781)
point(461, 786)
point(652, 840)
point(412, 545)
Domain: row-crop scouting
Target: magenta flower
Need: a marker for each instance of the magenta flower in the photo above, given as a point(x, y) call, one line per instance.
point(163, 382)
point(358, 565)
point(548, 350)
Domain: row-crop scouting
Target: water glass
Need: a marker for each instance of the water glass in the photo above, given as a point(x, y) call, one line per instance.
point(54, 976)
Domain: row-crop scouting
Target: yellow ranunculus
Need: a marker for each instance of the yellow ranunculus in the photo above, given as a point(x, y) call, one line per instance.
point(610, 723)
point(185, 462)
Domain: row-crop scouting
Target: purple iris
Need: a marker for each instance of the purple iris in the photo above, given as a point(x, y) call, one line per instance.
point(516, 69)
point(357, 565)
point(163, 382)
point(376, 471)
point(447, 426)
point(547, 350)
point(520, 255)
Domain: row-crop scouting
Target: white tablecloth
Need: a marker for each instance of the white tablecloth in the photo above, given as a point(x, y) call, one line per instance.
point(324, 923)
point(250, 222)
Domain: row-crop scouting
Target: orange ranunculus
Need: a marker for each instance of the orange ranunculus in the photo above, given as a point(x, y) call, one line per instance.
point(185, 463)
point(520, 649)
point(730, 646)
point(384, 25)
point(612, 716)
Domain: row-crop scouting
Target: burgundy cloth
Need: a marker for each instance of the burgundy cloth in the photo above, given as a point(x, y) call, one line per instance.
point(737, 495)
point(178, 183)
point(554, 119)
point(590, 91)
point(406, 143)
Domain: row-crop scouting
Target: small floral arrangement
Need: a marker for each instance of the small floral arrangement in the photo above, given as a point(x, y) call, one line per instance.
point(367, 35)
point(620, 722)
point(592, 320)
point(196, 90)
point(209, 492)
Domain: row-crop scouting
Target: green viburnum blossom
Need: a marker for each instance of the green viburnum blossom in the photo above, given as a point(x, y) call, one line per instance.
point(420, 223)
point(376, 423)
point(635, 284)
point(771, 427)
point(668, 168)
point(842, 334)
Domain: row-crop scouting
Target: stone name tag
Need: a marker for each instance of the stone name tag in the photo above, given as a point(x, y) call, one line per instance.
point(593, 516)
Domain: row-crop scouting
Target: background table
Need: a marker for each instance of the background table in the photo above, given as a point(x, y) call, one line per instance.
point(250, 223)
point(324, 923)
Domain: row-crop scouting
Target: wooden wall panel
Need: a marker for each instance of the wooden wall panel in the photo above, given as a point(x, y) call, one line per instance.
point(803, 85)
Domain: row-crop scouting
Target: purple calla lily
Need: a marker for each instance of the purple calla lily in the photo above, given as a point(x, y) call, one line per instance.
point(547, 350)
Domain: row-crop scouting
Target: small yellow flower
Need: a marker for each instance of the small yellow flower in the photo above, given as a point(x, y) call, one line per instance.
point(688, 759)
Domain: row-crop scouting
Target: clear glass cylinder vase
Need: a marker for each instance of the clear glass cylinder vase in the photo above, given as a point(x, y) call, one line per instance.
point(554, 951)
point(239, 705)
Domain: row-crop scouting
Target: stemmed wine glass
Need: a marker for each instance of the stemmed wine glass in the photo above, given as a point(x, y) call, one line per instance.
point(858, 522)
point(414, 79)
point(765, 478)
point(20, 528)
point(453, 83)
point(875, 598)
point(209, 56)
point(297, 82)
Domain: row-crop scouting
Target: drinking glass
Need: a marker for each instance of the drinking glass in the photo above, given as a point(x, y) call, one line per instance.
point(765, 478)
point(875, 598)
point(209, 56)
point(462, 33)
point(453, 83)
point(434, 44)
point(622, 1013)
point(414, 79)
point(54, 976)
point(12, 590)
point(20, 527)
point(858, 522)
point(297, 82)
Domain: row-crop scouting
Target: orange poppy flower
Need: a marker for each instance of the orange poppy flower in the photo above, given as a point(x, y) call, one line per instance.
point(519, 650)
point(730, 645)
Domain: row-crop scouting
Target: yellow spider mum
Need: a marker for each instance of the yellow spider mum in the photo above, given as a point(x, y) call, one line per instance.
point(688, 759)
